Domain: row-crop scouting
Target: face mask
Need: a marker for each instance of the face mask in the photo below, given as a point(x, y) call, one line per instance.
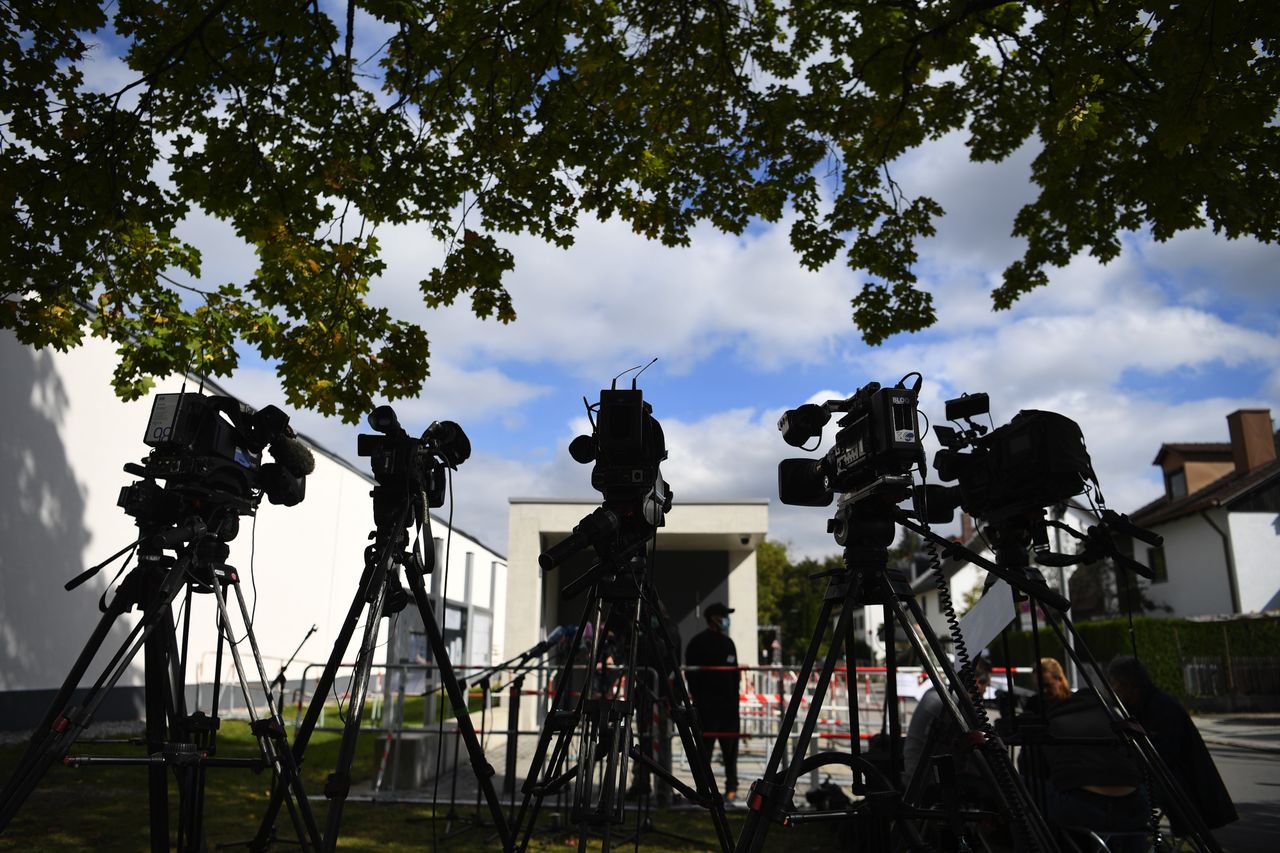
point(724, 623)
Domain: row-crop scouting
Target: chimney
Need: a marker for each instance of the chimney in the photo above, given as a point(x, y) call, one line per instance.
point(1253, 444)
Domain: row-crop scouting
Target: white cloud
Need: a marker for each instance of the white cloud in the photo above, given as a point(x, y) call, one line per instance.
point(1037, 357)
point(616, 297)
point(107, 73)
point(450, 393)
point(225, 257)
point(980, 200)
point(1202, 266)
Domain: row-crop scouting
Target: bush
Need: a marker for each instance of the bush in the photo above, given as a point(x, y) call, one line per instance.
point(1162, 644)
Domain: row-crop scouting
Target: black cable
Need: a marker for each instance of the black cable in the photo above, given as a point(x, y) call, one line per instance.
point(253, 577)
point(969, 681)
point(444, 594)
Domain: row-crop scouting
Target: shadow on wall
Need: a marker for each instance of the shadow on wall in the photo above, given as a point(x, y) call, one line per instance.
point(42, 545)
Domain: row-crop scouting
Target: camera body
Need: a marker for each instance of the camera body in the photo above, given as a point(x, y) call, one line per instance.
point(403, 463)
point(876, 447)
point(627, 447)
point(208, 450)
point(1036, 460)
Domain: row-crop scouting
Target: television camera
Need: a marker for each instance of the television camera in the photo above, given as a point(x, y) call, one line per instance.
point(1036, 460)
point(404, 465)
point(876, 447)
point(627, 446)
point(1011, 473)
point(208, 451)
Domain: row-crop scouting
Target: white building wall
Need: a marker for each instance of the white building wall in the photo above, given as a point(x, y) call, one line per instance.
point(1255, 544)
point(742, 593)
point(65, 439)
point(488, 575)
point(1193, 553)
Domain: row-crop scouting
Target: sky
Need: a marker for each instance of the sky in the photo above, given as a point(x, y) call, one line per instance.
point(1157, 346)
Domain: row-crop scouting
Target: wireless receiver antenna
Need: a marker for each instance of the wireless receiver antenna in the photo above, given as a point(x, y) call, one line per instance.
point(613, 386)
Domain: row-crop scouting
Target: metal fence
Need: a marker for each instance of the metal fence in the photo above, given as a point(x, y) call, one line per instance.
point(411, 743)
point(1247, 676)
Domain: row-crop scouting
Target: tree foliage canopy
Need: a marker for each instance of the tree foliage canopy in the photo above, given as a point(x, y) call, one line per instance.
point(480, 120)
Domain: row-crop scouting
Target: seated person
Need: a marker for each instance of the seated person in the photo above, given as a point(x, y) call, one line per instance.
point(932, 718)
point(1092, 783)
point(1052, 684)
point(1052, 688)
point(1177, 740)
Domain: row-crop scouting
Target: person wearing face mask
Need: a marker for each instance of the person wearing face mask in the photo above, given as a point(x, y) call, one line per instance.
point(715, 691)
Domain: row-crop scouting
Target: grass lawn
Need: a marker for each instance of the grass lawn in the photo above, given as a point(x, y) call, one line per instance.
point(104, 808)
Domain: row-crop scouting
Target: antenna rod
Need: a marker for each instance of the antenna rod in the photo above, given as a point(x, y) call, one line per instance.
point(636, 378)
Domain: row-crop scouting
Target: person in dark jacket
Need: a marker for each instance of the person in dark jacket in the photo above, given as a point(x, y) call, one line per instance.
point(715, 692)
point(1092, 782)
point(1178, 742)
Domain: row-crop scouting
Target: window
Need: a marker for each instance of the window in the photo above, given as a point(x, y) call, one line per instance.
point(1155, 559)
point(1178, 484)
point(481, 638)
point(454, 632)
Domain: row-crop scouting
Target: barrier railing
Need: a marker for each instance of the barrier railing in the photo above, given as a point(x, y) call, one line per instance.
point(415, 741)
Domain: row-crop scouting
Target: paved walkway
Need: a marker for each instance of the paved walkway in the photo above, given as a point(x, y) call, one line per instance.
point(1242, 731)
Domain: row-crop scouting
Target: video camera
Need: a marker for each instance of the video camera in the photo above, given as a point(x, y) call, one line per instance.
point(1036, 460)
point(403, 463)
point(208, 450)
point(876, 448)
point(627, 446)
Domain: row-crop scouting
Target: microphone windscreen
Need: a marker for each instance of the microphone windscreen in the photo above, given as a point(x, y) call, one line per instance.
point(296, 458)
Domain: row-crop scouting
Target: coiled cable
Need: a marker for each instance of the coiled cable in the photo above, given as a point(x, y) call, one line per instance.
point(968, 679)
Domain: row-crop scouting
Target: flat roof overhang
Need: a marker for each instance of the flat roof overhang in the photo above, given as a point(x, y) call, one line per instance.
point(721, 525)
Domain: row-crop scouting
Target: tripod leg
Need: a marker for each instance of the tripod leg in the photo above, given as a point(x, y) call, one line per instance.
point(594, 725)
point(531, 801)
point(483, 770)
point(373, 576)
point(280, 760)
point(190, 777)
point(58, 707)
point(685, 717)
point(892, 707)
point(283, 757)
point(766, 787)
point(340, 780)
point(815, 703)
point(68, 723)
point(1023, 814)
point(851, 689)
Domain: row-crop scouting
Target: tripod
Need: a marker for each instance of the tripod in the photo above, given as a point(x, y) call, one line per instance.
point(380, 594)
point(185, 743)
point(865, 528)
point(602, 719)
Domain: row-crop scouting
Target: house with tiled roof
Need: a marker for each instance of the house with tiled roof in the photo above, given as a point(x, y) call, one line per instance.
point(1220, 519)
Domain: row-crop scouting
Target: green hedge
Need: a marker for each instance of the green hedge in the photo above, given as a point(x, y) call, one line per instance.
point(1163, 644)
